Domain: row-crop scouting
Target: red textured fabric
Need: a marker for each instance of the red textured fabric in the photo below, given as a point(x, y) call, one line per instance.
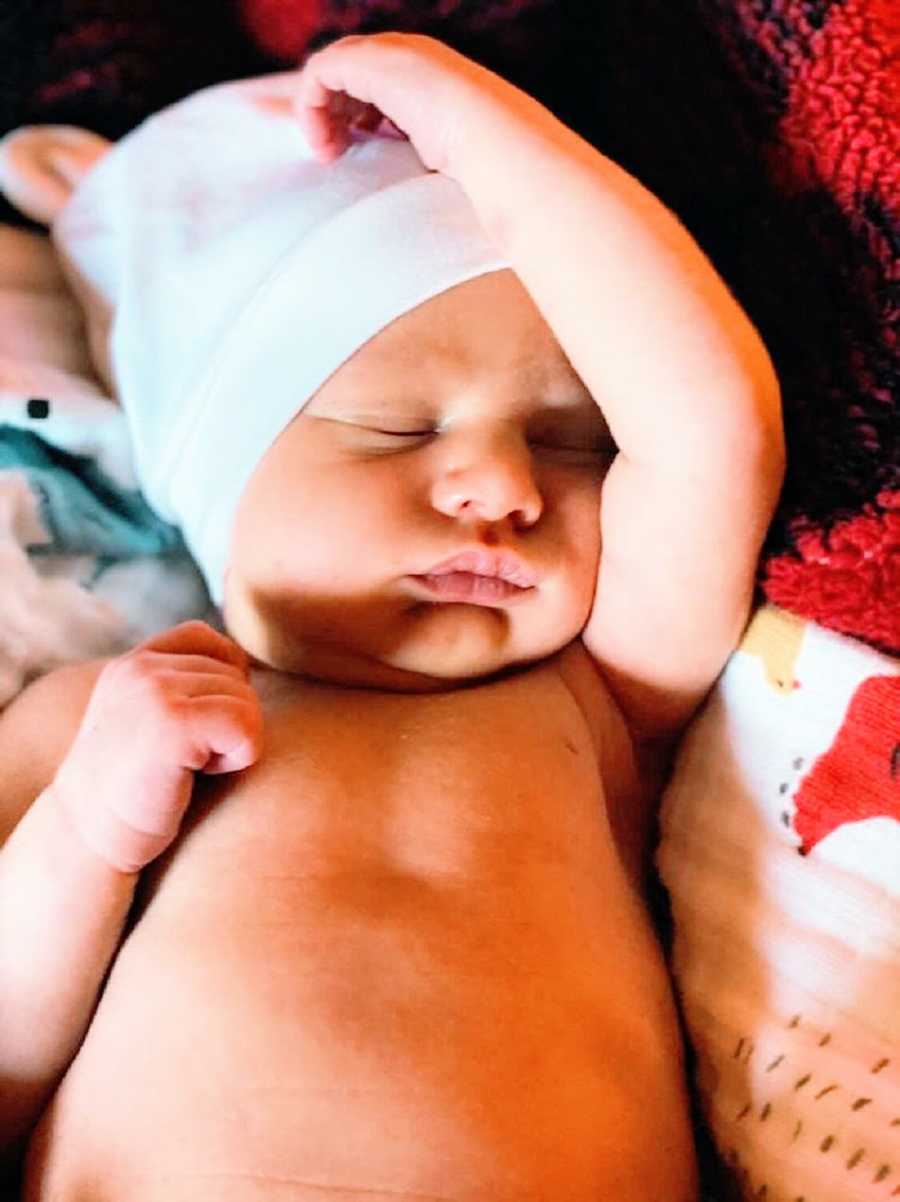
point(847, 578)
point(839, 135)
point(827, 75)
point(287, 29)
point(282, 28)
point(842, 126)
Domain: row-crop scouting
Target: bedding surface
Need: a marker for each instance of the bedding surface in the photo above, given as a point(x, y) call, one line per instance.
point(86, 568)
point(781, 854)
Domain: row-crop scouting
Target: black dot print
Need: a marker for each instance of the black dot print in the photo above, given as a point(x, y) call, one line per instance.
point(38, 407)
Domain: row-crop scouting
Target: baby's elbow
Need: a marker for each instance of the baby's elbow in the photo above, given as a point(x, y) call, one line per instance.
point(771, 441)
point(758, 437)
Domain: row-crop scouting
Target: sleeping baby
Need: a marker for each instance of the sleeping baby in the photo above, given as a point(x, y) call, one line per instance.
point(476, 452)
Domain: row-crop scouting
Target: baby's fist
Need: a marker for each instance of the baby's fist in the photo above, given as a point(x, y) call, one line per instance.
point(177, 704)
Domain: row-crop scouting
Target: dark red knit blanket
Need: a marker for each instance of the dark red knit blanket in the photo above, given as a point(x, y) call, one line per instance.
point(772, 127)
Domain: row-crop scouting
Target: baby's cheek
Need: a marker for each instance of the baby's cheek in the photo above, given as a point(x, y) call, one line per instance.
point(583, 555)
point(244, 624)
point(579, 512)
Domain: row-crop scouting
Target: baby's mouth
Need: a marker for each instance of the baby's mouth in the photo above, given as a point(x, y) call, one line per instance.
point(479, 561)
point(471, 588)
point(479, 577)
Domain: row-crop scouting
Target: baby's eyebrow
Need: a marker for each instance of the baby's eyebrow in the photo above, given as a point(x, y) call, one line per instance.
point(374, 404)
point(388, 392)
point(391, 412)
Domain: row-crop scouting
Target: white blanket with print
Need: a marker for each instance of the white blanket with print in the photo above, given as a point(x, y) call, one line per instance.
point(781, 853)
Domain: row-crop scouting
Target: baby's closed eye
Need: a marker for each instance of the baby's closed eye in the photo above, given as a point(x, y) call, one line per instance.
point(392, 430)
point(552, 433)
point(557, 444)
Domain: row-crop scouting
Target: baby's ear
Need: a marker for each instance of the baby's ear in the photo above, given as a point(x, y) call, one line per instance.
point(42, 165)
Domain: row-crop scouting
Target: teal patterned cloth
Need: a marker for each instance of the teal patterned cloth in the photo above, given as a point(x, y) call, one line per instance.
point(84, 511)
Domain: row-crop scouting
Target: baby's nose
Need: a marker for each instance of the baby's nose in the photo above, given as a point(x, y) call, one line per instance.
point(489, 479)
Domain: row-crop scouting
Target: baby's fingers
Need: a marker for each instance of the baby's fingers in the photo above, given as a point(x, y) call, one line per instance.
point(192, 638)
point(226, 733)
point(325, 140)
point(416, 84)
point(328, 127)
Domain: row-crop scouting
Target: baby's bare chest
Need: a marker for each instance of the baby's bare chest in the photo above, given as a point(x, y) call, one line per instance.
point(392, 914)
point(397, 839)
point(437, 786)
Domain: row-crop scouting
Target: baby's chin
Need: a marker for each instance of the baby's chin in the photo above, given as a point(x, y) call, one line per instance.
point(417, 654)
point(349, 669)
point(394, 643)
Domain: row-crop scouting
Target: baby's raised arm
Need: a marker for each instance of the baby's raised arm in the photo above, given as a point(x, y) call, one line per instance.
point(684, 381)
point(177, 704)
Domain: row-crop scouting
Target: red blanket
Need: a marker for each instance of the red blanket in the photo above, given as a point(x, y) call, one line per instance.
point(771, 126)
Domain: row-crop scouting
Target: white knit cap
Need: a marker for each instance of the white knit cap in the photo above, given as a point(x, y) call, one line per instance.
point(225, 275)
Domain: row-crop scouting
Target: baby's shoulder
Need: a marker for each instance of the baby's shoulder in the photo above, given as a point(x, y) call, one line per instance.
point(36, 730)
point(580, 674)
point(633, 769)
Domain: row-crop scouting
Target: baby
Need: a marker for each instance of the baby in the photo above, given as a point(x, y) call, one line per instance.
point(348, 905)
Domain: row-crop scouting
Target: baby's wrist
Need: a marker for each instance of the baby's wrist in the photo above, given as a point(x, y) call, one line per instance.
point(86, 838)
point(521, 146)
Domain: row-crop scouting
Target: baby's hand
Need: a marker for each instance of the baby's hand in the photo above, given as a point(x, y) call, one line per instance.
point(431, 93)
point(177, 704)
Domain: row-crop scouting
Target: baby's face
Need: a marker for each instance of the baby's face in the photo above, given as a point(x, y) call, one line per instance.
point(459, 430)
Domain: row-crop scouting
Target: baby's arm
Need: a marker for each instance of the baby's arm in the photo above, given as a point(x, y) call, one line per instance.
point(60, 912)
point(178, 704)
point(683, 379)
point(686, 387)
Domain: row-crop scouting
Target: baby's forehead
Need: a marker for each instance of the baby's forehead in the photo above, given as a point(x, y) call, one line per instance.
point(485, 333)
point(430, 380)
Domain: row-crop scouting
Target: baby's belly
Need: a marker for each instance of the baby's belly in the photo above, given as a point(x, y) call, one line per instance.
point(398, 958)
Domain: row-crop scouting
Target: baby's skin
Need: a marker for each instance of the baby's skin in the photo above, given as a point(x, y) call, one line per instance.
point(347, 903)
